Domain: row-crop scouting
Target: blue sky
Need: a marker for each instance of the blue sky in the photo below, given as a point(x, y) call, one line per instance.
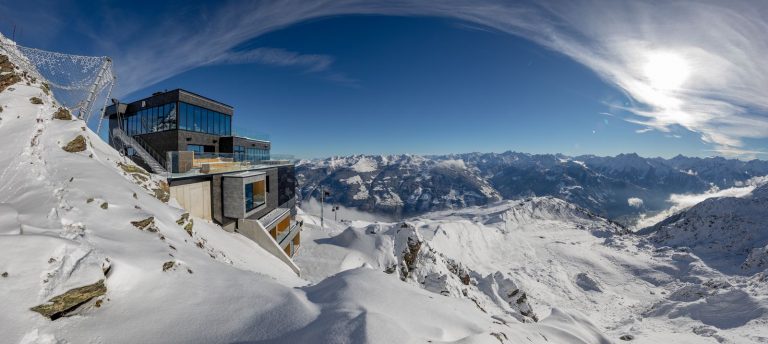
point(337, 78)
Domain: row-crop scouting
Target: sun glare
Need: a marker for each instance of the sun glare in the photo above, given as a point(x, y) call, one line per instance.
point(666, 71)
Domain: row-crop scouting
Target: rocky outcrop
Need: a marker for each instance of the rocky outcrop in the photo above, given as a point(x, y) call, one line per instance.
point(432, 270)
point(76, 145)
point(63, 304)
point(8, 74)
point(62, 114)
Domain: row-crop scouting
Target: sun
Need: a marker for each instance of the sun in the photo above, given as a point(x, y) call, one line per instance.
point(666, 71)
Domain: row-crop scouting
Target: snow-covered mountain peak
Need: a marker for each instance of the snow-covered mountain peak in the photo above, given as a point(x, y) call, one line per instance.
point(729, 232)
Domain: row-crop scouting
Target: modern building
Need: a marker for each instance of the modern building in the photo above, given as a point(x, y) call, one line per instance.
point(212, 172)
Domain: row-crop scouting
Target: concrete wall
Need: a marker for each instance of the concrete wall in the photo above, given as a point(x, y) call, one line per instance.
point(185, 138)
point(217, 193)
point(195, 198)
point(233, 196)
point(253, 230)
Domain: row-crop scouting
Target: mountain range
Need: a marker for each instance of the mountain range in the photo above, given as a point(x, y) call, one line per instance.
point(620, 187)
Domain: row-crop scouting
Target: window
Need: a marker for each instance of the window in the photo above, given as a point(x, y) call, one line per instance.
point(173, 116)
point(195, 118)
point(198, 118)
point(211, 128)
point(255, 195)
point(198, 149)
point(239, 153)
point(215, 125)
point(182, 116)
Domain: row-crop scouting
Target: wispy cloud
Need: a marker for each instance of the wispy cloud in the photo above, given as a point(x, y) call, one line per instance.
point(695, 65)
point(277, 57)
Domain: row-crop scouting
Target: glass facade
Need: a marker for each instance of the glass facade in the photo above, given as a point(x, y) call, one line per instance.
point(150, 120)
point(186, 117)
point(239, 153)
point(256, 154)
point(255, 195)
point(195, 118)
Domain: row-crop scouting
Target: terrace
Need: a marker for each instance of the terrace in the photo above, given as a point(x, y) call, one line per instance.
point(182, 164)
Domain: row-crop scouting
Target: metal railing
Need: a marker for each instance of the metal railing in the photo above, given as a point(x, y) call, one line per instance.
point(155, 154)
point(190, 163)
point(128, 141)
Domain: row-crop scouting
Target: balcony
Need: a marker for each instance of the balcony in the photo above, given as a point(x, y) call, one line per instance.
point(188, 163)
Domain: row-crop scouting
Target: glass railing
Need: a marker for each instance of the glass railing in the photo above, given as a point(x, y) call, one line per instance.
point(189, 163)
point(281, 236)
point(250, 134)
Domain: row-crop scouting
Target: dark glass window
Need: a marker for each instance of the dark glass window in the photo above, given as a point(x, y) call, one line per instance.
point(174, 116)
point(209, 129)
point(223, 124)
point(215, 116)
point(239, 153)
point(198, 118)
point(198, 149)
point(190, 117)
point(157, 119)
point(182, 115)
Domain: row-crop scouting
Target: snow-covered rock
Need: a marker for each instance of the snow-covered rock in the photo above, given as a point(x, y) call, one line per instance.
point(728, 232)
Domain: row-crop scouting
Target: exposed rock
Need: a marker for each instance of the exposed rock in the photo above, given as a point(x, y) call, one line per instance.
point(140, 178)
point(584, 281)
point(35, 100)
point(63, 304)
point(410, 253)
point(188, 227)
point(62, 114)
point(184, 217)
point(168, 265)
point(163, 192)
point(104, 205)
point(147, 224)
point(5, 274)
point(8, 76)
point(76, 145)
point(500, 336)
point(132, 168)
point(627, 337)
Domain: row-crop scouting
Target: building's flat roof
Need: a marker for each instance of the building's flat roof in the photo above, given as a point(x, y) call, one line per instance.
point(179, 91)
point(199, 96)
point(244, 174)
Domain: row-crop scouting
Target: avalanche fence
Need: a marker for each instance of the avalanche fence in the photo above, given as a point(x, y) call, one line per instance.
point(77, 82)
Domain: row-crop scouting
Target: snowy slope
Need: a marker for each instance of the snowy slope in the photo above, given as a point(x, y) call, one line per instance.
point(562, 258)
point(731, 233)
point(72, 219)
